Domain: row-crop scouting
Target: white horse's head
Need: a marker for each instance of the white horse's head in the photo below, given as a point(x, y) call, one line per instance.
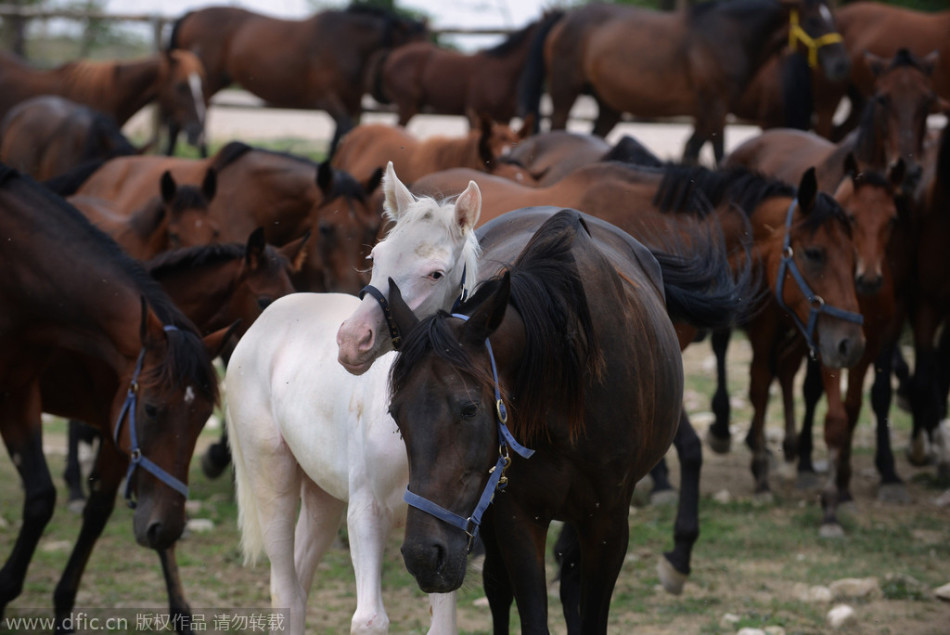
point(426, 252)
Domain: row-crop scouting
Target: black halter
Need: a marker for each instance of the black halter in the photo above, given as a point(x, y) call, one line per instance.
point(816, 302)
point(394, 333)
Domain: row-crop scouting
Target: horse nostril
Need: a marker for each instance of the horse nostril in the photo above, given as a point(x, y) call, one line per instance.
point(153, 532)
point(844, 347)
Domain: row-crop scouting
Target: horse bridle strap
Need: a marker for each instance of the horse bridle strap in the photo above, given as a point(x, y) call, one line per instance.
point(496, 475)
point(818, 305)
point(797, 34)
point(394, 333)
point(136, 458)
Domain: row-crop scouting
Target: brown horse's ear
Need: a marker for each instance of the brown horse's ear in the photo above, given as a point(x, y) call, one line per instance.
point(294, 252)
point(169, 187)
point(325, 178)
point(851, 169)
point(527, 126)
point(490, 312)
point(468, 207)
point(373, 181)
point(403, 316)
point(896, 173)
point(210, 184)
point(215, 342)
point(877, 65)
point(484, 140)
point(929, 62)
point(254, 250)
point(807, 190)
point(397, 196)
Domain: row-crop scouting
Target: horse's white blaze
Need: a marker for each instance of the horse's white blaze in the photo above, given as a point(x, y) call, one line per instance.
point(197, 94)
point(301, 427)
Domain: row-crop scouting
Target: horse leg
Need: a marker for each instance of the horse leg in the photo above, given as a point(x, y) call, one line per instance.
point(719, 437)
point(179, 609)
point(709, 126)
point(662, 488)
point(22, 432)
point(217, 457)
point(838, 440)
point(522, 553)
point(108, 473)
point(812, 390)
point(787, 369)
point(760, 377)
point(495, 579)
point(673, 568)
point(892, 487)
point(607, 118)
point(73, 473)
point(925, 393)
point(317, 527)
point(603, 541)
point(173, 130)
point(568, 556)
point(901, 370)
point(369, 523)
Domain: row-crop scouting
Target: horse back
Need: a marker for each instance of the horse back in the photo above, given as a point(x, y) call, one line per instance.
point(786, 154)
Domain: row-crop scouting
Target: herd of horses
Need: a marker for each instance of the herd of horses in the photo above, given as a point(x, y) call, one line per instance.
point(511, 354)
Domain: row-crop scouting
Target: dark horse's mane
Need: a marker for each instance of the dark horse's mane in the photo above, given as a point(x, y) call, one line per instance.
point(105, 139)
point(186, 360)
point(189, 258)
point(516, 39)
point(69, 182)
point(561, 353)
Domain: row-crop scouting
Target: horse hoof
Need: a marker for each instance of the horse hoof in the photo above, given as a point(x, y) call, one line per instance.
point(76, 505)
point(671, 579)
point(893, 494)
point(831, 530)
point(664, 498)
point(210, 467)
point(807, 481)
point(786, 471)
point(718, 445)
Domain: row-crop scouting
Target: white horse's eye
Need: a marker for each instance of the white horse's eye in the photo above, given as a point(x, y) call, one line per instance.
point(436, 275)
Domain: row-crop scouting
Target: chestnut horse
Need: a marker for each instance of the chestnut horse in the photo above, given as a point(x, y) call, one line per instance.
point(103, 343)
point(369, 147)
point(422, 77)
point(49, 135)
point(693, 62)
point(118, 89)
point(317, 63)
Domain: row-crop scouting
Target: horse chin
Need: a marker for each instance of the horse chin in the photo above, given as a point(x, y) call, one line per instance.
point(445, 578)
point(195, 135)
point(355, 369)
point(156, 527)
point(841, 348)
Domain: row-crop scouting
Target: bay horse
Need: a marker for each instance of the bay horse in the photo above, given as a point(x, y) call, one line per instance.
point(369, 147)
point(577, 284)
point(315, 63)
point(284, 193)
point(327, 441)
point(214, 286)
point(422, 77)
point(176, 216)
point(49, 135)
point(118, 89)
point(692, 62)
point(103, 343)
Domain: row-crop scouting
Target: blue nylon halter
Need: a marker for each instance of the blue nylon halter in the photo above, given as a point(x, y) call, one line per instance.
point(816, 302)
point(136, 459)
point(496, 480)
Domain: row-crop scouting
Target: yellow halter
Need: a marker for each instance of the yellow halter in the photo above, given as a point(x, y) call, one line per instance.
point(797, 34)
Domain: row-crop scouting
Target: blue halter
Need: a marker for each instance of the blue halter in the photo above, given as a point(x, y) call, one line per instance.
point(817, 303)
point(136, 459)
point(496, 480)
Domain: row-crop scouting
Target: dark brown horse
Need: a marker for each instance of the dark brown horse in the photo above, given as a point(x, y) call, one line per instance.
point(422, 77)
point(214, 286)
point(694, 62)
point(317, 63)
point(285, 194)
point(49, 135)
point(369, 147)
point(176, 216)
point(575, 287)
point(102, 343)
point(118, 89)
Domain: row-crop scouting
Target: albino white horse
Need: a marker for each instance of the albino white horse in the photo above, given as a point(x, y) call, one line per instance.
point(431, 253)
point(303, 431)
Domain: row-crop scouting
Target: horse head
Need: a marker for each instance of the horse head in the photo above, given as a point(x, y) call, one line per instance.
point(812, 32)
point(186, 210)
point(903, 97)
point(430, 251)
point(172, 392)
point(867, 197)
point(495, 139)
point(181, 93)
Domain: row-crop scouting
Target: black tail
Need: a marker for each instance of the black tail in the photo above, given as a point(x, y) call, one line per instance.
point(798, 102)
point(531, 84)
point(629, 150)
point(701, 288)
point(67, 183)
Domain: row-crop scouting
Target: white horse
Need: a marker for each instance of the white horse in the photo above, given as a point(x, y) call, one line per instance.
point(305, 432)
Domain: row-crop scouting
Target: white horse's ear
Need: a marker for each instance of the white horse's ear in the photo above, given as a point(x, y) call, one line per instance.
point(398, 196)
point(468, 207)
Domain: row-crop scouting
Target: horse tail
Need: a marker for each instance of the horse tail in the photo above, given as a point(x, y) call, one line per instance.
point(374, 76)
point(69, 182)
point(252, 537)
point(629, 150)
point(700, 286)
point(531, 84)
point(798, 102)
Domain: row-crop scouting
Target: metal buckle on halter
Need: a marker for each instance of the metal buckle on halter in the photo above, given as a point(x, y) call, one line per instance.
point(817, 302)
point(788, 252)
point(501, 411)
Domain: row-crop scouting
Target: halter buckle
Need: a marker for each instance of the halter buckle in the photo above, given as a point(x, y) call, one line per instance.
point(788, 252)
point(817, 302)
point(501, 411)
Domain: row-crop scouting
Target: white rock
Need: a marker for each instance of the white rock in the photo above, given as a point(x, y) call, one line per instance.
point(774, 630)
point(200, 525)
point(192, 506)
point(750, 631)
point(943, 500)
point(853, 588)
point(813, 594)
point(840, 615)
point(480, 602)
point(943, 592)
point(722, 497)
point(729, 621)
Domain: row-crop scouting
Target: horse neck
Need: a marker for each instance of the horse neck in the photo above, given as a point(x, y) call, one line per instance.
point(135, 86)
point(145, 234)
point(203, 292)
point(442, 153)
point(867, 141)
point(755, 32)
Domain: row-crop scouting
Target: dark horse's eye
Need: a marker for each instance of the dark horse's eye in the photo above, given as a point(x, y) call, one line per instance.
point(815, 255)
point(151, 411)
point(469, 410)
